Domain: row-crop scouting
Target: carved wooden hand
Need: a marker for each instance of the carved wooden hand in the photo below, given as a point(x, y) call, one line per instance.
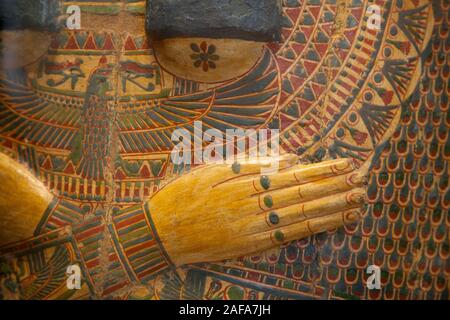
point(223, 211)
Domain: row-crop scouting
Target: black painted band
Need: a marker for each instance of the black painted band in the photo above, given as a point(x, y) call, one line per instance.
point(39, 15)
point(258, 20)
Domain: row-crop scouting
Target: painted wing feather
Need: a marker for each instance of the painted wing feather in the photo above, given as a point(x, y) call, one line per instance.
point(247, 102)
point(28, 118)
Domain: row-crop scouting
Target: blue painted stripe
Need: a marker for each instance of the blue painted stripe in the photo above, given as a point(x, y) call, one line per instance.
point(149, 265)
point(121, 255)
point(140, 254)
point(132, 228)
point(120, 217)
point(139, 240)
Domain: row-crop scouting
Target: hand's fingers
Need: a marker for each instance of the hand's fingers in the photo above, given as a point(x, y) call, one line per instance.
point(314, 198)
point(321, 207)
point(254, 165)
point(322, 188)
point(224, 174)
point(295, 175)
point(241, 172)
point(295, 231)
point(307, 228)
point(302, 174)
point(275, 218)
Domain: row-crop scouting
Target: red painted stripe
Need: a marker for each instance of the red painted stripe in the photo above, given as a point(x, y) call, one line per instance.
point(152, 270)
point(114, 288)
point(89, 232)
point(130, 221)
point(139, 247)
point(56, 221)
point(113, 257)
point(93, 263)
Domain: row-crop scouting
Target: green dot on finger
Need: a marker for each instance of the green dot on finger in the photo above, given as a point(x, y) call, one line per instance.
point(268, 201)
point(279, 236)
point(274, 218)
point(265, 182)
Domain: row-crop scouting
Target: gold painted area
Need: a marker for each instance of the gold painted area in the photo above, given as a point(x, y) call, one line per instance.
point(89, 63)
point(23, 200)
point(232, 58)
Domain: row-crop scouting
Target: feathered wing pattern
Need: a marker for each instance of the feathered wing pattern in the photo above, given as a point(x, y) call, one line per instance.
point(49, 278)
point(91, 146)
point(80, 130)
point(373, 87)
point(245, 103)
point(95, 139)
point(28, 117)
point(335, 88)
point(36, 268)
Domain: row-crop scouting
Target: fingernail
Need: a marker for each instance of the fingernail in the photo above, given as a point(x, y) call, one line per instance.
point(357, 179)
point(291, 158)
point(351, 217)
point(344, 166)
point(357, 197)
